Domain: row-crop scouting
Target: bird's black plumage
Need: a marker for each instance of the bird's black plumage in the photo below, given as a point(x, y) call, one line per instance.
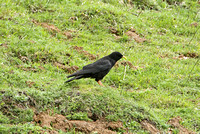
point(98, 69)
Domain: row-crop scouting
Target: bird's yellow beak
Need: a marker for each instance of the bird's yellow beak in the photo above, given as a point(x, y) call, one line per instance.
point(124, 57)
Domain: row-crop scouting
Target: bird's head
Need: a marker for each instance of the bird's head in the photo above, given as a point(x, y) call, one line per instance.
point(116, 56)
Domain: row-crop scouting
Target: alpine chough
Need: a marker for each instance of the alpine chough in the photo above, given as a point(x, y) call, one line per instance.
point(98, 69)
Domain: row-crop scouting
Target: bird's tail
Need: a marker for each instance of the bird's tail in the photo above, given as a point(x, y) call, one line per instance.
point(76, 74)
point(76, 77)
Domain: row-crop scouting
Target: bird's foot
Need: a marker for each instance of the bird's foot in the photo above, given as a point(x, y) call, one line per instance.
point(99, 82)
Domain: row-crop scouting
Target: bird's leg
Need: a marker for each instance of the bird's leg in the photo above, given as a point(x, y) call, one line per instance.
point(99, 82)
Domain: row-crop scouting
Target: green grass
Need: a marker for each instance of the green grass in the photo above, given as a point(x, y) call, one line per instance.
point(160, 89)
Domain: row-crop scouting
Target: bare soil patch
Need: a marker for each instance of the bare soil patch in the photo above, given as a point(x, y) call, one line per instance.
point(4, 45)
point(134, 35)
point(149, 127)
point(164, 56)
point(50, 27)
point(127, 63)
point(77, 48)
point(194, 24)
point(30, 83)
point(85, 53)
point(191, 55)
point(33, 69)
point(6, 18)
point(180, 57)
point(61, 123)
point(54, 29)
point(186, 55)
point(28, 68)
point(175, 122)
point(114, 31)
point(66, 68)
point(24, 58)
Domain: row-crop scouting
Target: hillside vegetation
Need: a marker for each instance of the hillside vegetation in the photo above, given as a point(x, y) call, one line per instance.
point(157, 86)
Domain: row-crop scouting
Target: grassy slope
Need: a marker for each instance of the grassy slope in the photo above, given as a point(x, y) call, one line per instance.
point(158, 90)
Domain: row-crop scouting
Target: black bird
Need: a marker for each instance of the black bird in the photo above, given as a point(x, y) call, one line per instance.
point(97, 69)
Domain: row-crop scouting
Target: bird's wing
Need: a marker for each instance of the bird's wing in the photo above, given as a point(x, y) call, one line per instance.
point(98, 66)
point(93, 68)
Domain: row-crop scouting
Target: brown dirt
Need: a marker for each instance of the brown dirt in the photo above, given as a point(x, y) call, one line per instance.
point(11, 72)
point(191, 55)
point(31, 41)
point(68, 35)
point(117, 37)
point(194, 24)
point(85, 53)
point(5, 18)
point(164, 56)
point(30, 83)
point(27, 68)
point(24, 58)
point(4, 45)
point(66, 68)
point(161, 33)
point(41, 67)
point(114, 31)
point(67, 54)
point(52, 28)
point(77, 48)
point(60, 65)
point(180, 57)
point(133, 35)
point(48, 132)
point(175, 122)
point(186, 56)
point(72, 69)
point(149, 127)
point(73, 18)
point(60, 122)
point(127, 63)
